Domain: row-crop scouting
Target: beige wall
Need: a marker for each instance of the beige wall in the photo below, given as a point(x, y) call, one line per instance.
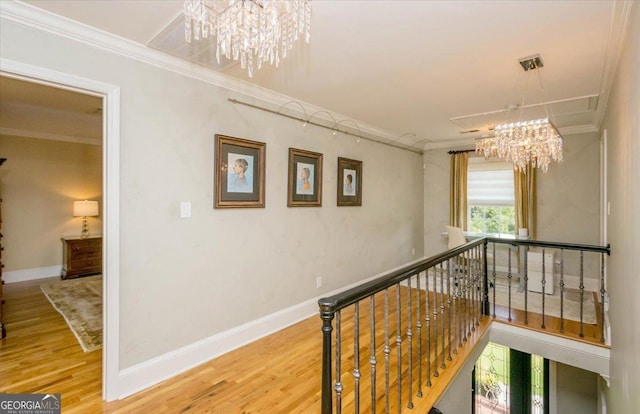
point(568, 201)
point(184, 280)
point(40, 181)
point(576, 390)
point(622, 123)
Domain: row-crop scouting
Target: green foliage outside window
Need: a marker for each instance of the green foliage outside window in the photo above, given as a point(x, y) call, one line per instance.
point(491, 219)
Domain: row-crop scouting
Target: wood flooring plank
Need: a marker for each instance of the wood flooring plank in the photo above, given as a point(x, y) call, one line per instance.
point(277, 374)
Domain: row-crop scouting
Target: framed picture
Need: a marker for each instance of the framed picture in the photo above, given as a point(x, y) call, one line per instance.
point(239, 176)
point(349, 182)
point(305, 179)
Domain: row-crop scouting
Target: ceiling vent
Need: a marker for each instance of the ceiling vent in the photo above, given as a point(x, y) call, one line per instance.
point(202, 52)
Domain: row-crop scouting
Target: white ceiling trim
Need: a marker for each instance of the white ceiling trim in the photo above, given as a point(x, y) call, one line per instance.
point(462, 142)
point(49, 136)
point(620, 19)
point(43, 20)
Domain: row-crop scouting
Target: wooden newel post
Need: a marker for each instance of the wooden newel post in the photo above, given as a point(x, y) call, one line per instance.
point(327, 313)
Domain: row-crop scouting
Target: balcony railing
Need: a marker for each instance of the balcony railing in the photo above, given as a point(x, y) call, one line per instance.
point(387, 341)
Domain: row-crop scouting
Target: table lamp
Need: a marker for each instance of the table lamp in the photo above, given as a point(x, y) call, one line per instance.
point(85, 209)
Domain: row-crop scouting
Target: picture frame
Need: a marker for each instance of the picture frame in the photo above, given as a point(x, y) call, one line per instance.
point(239, 172)
point(349, 182)
point(305, 178)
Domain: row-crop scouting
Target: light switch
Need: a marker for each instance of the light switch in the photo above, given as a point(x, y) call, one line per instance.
point(185, 209)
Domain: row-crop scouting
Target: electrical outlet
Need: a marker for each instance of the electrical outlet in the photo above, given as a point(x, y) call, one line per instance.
point(413, 251)
point(319, 282)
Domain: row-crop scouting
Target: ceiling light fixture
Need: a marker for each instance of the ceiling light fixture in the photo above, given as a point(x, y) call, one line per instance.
point(248, 30)
point(536, 142)
point(342, 121)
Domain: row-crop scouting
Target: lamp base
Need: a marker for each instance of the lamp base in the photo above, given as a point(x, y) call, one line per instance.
point(85, 228)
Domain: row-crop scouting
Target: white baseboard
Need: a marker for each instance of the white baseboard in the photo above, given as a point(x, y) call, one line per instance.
point(24, 275)
point(151, 372)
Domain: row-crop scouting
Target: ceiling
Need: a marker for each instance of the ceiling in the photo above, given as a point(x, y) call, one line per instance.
point(426, 72)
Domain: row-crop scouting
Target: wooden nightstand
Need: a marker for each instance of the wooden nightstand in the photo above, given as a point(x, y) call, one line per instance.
point(81, 257)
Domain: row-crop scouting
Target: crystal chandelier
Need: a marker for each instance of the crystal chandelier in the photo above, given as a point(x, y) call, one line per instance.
point(535, 142)
point(249, 30)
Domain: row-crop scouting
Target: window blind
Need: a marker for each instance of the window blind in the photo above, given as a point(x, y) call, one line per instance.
point(489, 183)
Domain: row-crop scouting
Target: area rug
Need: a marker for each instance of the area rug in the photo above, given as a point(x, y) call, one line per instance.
point(79, 301)
point(571, 309)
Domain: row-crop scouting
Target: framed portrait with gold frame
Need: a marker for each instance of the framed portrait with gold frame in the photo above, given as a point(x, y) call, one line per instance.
point(239, 173)
point(305, 179)
point(349, 182)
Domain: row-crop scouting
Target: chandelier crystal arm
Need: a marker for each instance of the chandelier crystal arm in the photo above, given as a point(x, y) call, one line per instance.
point(249, 30)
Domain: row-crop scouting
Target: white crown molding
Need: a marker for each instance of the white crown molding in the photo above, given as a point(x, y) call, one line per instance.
point(28, 15)
point(578, 129)
point(620, 18)
point(49, 136)
point(452, 143)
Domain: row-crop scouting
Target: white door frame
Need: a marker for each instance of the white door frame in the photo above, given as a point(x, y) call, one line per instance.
point(110, 95)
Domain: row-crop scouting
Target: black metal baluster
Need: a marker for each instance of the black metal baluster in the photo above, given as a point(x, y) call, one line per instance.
point(399, 346)
point(581, 293)
point(419, 326)
point(494, 278)
point(435, 320)
point(427, 318)
point(338, 385)
point(449, 307)
point(509, 277)
point(472, 278)
point(476, 288)
point(466, 291)
point(356, 357)
point(456, 302)
point(387, 350)
point(461, 308)
point(372, 357)
point(409, 344)
point(602, 292)
point(561, 290)
point(526, 284)
point(442, 323)
point(543, 282)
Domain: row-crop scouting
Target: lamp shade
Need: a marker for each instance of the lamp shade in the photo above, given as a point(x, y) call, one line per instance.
point(85, 208)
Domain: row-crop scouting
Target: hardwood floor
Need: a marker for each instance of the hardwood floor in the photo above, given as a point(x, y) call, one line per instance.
point(277, 374)
point(40, 353)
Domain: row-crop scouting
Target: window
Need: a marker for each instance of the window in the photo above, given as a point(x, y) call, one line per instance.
point(490, 197)
point(507, 381)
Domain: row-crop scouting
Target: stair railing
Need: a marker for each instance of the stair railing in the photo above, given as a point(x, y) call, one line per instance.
point(438, 303)
point(551, 261)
